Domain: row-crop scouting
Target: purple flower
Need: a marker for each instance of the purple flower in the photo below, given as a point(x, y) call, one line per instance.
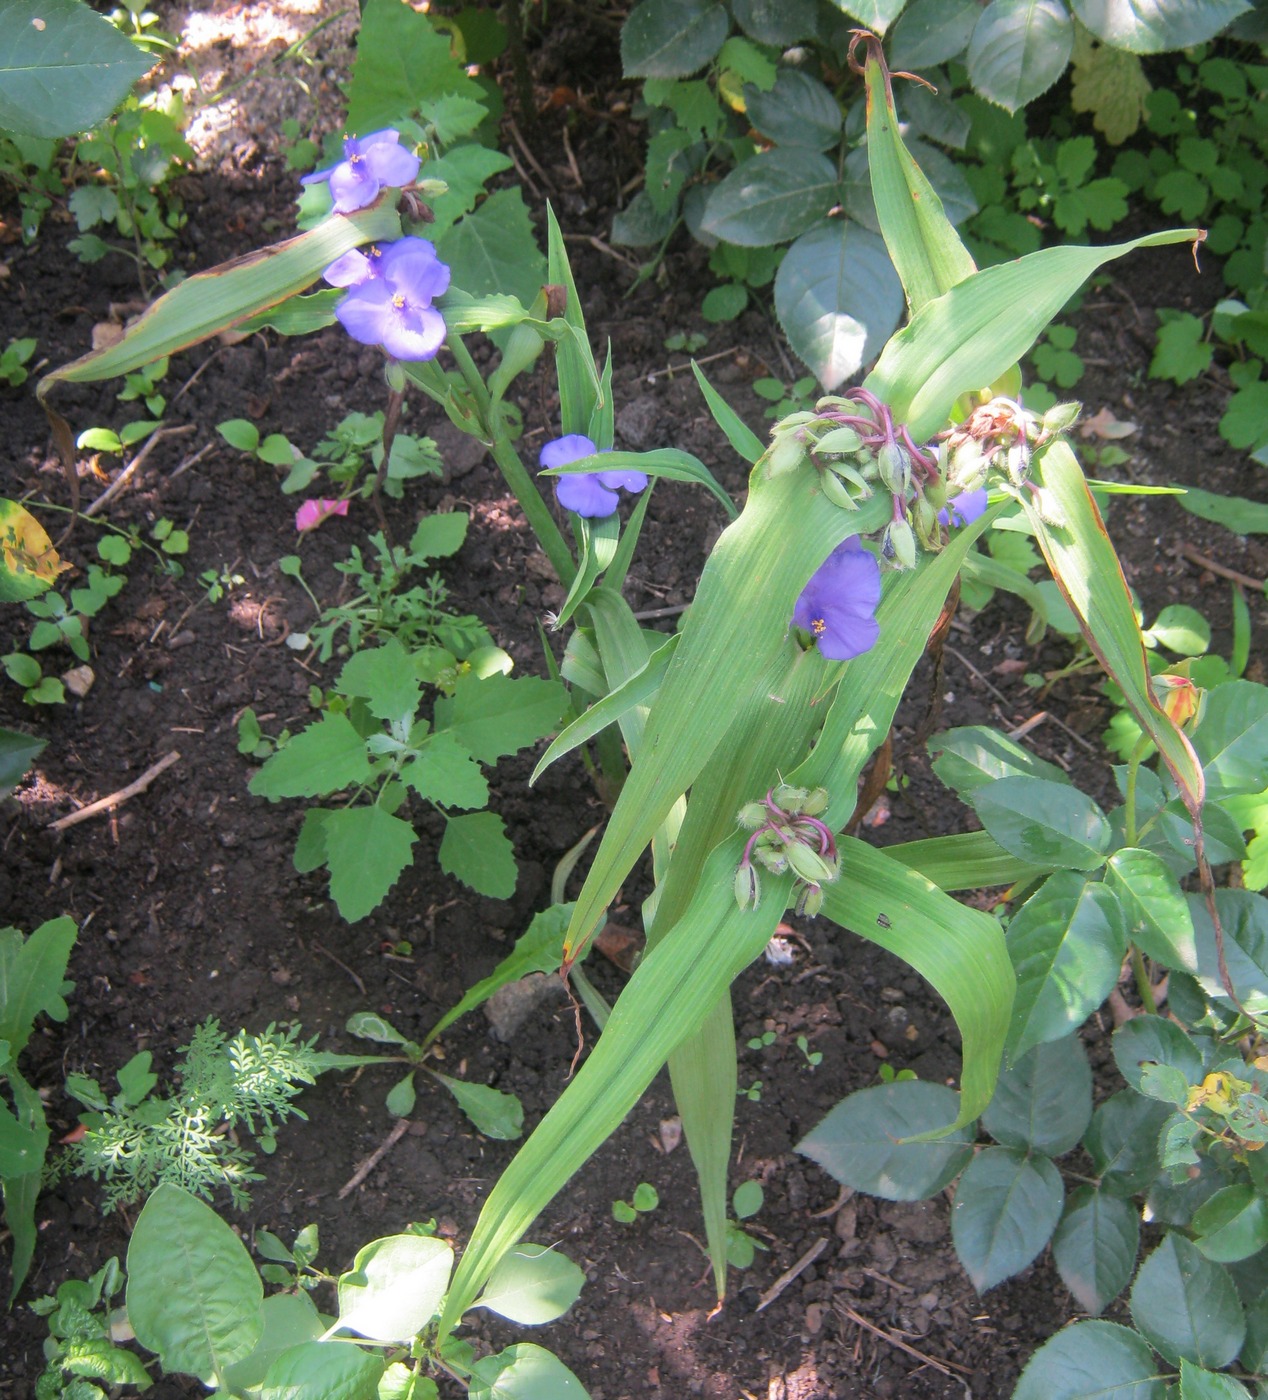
point(963, 509)
point(838, 606)
point(591, 494)
point(390, 301)
point(369, 163)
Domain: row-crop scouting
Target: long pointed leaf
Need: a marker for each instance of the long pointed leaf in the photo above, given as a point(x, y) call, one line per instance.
point(970, 335)
point(574, 361)
point(958, 950)
point(1070, 532)
point(736, 627)
point(928, 255)
point(676, 985)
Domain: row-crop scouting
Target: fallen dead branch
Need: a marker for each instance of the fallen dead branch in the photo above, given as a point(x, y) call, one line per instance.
point(117, 799)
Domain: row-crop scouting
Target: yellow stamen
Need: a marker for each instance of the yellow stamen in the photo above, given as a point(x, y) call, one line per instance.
point(818, 626)
point(398, 300)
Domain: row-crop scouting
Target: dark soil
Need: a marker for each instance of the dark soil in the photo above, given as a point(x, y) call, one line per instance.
point(189, 905)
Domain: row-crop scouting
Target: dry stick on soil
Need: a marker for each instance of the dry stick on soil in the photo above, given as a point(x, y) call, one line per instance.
point(375, 1157)
point(946, 1367)
point(116, 799)
point(135, 466)
point(327, 953)
point(789, 1275)
point(1196, 557)
point(999, 695)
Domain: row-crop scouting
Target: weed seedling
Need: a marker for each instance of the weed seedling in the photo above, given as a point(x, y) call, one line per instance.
point(646, 1198)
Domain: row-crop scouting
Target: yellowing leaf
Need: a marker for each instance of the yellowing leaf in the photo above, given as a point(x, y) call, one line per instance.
point(1111, 84)
point(28, 561)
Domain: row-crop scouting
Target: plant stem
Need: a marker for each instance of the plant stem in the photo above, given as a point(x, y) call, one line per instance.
point(535, 509)
point(1143, 985)
point(1129, 796)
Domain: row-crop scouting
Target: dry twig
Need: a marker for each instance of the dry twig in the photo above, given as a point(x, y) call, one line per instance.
point(789, 1275)
point(946, 1367)
point(135, 466)
point(1195, 556)
point(375, 1157)
point(116, 799)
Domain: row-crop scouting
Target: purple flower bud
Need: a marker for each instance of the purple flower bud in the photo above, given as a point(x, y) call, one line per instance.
point(592, 494)
point(963, 509)
point(392, 305)
point(370, 164)
point(838, 606)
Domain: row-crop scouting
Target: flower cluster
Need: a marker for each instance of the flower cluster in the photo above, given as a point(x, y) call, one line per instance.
point(788, 835)
point(370, 164)
point(390, 295)
point(390, 290)
point(592, 494)
point(1004, 436)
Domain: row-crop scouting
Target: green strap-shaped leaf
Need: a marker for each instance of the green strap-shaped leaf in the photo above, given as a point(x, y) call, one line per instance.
point(598, 543)
point(674, 987)
point(967, 860)
point(736, 627)
point(1069, 530)
point(738, 433)
point(958, 950)
point(972, 334)
point(209, 302)
point(668, 462)
point(927, 251)
point(574, 361)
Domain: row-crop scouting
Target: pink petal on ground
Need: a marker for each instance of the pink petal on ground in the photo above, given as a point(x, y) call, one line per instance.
point(313, 512)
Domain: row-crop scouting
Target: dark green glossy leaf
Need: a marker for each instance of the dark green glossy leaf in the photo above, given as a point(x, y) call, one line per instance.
point(1019, 49)
point(1187, 1306)
point(1154, 907)
point(1095, 1247)
point(1044, 822)
point(671, 38)
point(1007, 1205)
point(1232, 1225)
point(973, 757)
point(798, 111)
point(1092, 1361)
point(860, 1142)
point(1153, 26)
point(930, 32)
point(838, 299)
point(1044, 1101)
point(771, 198)
point(1067, 945)
point(1155, 1040)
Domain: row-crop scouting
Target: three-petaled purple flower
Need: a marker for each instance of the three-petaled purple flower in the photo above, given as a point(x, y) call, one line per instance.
point(369, 164)
point(389, 302)
point(838, 606)
point(592, 494)
point(963, 509)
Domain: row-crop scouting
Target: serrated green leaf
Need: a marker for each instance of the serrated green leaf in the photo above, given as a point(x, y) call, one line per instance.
point(1181, 353)
point(384, 677)
point(866, 1141)
point(778, 22)
point(771, 198)
point(1244, 919)
point(838, 299)
point(797, 111)
point(466, 170)
point(1199, 1384)
point(1109, 83)
point(445, 772)
point(1019, 49)
point(671, 38)
point(1153, 26)
point(366, 851)
point(1043, 1102)
point(495, 715)
point(1067, 944)
point(1092, 1361)
point(1095, 1245)
point(193, 1294)
point(1122, 1142)
point(32, 973)
point(1231, 738)
point(930, 32)
point(494, 249)
point(1148, 1040)
point(1232, 1225)
point(476, 850)
point(402, 63)
point(325, 757)
point(1007, 1205)
point(63, 68)
point(533, 1284)
point(1187, 1306)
